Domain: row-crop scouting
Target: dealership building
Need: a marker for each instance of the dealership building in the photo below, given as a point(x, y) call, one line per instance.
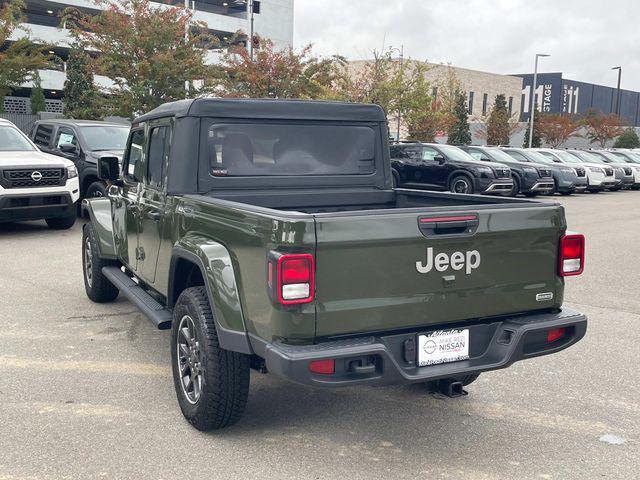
point(555, 94)
point(273, 19)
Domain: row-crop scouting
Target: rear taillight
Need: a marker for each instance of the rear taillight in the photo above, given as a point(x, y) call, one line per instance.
point(555, 334)
point(571, 255)
point(294, 278)
point(323, 367)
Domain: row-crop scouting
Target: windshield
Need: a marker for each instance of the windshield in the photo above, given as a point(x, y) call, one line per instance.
point(588, 157)
point(13, 140)
point(102, 137)
point(499, 155)
point(293, 149)
point(535, 156)
point(549, 156)
point(568, 157)
point(620, 158)
point(454, 153)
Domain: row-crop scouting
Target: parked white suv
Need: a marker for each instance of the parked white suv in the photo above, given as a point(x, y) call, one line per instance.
point(35, 185)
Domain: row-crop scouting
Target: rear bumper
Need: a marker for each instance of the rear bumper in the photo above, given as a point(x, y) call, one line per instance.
point(391, 360)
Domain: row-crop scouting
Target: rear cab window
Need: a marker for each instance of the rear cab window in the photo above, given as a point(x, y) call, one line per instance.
point(267, 149)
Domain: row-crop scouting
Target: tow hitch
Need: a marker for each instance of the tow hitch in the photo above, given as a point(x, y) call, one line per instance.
point(448, 387)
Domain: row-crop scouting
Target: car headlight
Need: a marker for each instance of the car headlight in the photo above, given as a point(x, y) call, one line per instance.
point(484, 170)
point(72, 172)
point(596, 169)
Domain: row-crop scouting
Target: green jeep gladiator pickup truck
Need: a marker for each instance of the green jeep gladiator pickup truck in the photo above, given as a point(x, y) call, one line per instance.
point(267, 234)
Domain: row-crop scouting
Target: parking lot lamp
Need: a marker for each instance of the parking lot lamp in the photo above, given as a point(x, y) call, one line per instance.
point(533, 97)
point(618, 91)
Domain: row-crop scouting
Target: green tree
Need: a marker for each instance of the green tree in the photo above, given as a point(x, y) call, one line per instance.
point(145, 51)
point(460, 133)
point(20, 61)
point(399, 87)
point(628, 139)
point(81, 97)
point(37, 96)
point(498, 128)
point(602, 128)
point(277, 73)
point(537, 140)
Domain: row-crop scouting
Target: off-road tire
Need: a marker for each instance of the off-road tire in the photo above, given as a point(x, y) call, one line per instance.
point(461, 178)
point(96, 189)
point(62, 223)
point(225, 374)
point(99, 289)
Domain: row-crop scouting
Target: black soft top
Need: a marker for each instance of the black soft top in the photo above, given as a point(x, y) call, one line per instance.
point(267, 109)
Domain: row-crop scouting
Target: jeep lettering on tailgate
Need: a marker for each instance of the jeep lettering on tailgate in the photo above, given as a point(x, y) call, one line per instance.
point(469, 260)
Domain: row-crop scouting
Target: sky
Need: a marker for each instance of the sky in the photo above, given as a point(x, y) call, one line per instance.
point(585, 38)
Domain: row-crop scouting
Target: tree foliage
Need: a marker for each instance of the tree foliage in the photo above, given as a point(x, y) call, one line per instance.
point(277, 73)
point(399, 86)
point(628, 139)
point(537, 138)
point(498, 127)
point(144, 51)
point(81, 96)
point(20, 61)
point(556, 129)
point(36, 98)
point(602, 128)
point(459, 133)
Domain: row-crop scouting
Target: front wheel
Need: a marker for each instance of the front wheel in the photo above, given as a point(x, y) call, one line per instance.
point(212, 384)
point(515, 189)
point(98, 287)
point(62, 223)
point(461, 184)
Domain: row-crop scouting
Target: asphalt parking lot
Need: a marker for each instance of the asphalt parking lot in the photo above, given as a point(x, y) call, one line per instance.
point(86, 390)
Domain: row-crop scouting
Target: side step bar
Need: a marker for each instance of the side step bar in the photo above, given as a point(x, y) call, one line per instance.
point(159, 316)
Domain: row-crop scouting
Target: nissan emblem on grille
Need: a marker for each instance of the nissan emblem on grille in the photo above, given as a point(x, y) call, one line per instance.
point(36, 176)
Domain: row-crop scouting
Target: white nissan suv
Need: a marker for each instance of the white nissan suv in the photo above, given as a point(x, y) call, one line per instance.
point(35, 185)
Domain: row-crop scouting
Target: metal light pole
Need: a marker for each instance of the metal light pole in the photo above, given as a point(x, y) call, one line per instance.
point(251, 29)
point(618, 92)
point(532, 110)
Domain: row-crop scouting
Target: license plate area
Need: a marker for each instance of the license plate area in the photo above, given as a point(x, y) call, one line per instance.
point(443, 346)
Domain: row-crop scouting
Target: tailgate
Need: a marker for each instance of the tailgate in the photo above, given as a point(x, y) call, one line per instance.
point(398, 269)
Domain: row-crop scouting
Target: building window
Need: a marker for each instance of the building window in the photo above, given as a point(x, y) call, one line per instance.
point(470, 103)
point(485, 99)
point(510, 106)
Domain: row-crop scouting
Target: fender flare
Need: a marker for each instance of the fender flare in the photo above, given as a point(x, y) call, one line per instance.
point(100, 215)
point(214, 262)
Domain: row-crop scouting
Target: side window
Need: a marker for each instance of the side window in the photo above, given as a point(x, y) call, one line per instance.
point(133, 157)
point(42, 136)
point(518, 156)
point(156, 155)
point(394, 151)
point(429, 153)
point(65, 136)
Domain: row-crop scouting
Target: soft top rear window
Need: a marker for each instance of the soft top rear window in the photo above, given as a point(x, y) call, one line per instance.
point(290, 149)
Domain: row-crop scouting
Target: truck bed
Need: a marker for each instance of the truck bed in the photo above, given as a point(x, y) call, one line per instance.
point(384, 261)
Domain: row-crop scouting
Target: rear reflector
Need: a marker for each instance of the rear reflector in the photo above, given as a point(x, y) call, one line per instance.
point(323, 367)
point(295, 277)
point(571, 255)
point(555, 334)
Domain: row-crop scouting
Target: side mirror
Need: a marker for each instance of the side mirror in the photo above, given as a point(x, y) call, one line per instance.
point(109, 169)
point(439, 159)
point(68, 148)
point(485, 159)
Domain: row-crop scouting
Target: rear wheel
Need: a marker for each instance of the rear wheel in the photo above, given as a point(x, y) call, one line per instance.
point(212, 384)
point(62, 223)
point(96, 190)
point(99, 289)
point(461, 184)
